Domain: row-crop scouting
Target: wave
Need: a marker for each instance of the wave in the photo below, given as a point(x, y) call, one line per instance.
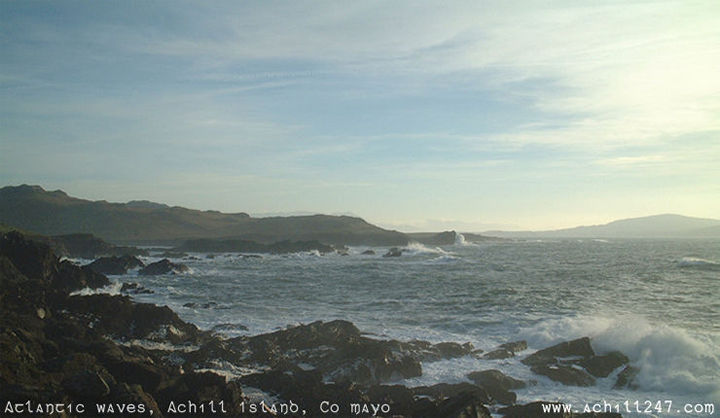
point(460, 240)
point(699, 263)
point(416, 248)
point(670, 359)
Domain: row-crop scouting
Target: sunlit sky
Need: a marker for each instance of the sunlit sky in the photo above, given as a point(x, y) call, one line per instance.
point(413, 115)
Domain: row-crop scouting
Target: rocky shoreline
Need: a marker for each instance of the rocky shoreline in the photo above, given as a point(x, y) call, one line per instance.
point(62, 350)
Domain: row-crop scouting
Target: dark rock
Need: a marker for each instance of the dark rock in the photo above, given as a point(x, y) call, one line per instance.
point(499, 354)
point(602, 366)
point(506, 350)
point(463, 406)
point(368, 252)
point(495, 378)
point(497, 385)
point(32, 259)
point(626, 378)
point(69, 278)
point(134, 288)
point(119, 317)
point(565, 374)
point(515, 346)
point(338, 350)
point(579, 348)
point(163, 266)
point(452, 350)
point(205, 305)
point(115, 265)
point(393, 252)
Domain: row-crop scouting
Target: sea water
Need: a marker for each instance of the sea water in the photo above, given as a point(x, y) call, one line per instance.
point(657, 301)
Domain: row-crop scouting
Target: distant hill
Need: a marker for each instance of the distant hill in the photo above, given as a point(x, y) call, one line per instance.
point(657, 226)
point(138, 222)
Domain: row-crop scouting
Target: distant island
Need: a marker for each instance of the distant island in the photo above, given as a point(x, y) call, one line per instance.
point(657, 226)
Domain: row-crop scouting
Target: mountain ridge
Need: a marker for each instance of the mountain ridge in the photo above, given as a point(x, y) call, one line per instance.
point(56, 213)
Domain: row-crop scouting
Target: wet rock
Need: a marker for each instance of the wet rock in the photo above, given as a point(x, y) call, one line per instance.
point(602, 366)
point(575, 348)
point(119, 317)
point(626, 378)
point(134, 289)
point(393, 252)
point(506, 350)
point(368, 252)
point(495, 378)
point(205, 305)
point(163, 266)
point(449, 350)
point(566, 374)
point(115, 265)
point(338, 350)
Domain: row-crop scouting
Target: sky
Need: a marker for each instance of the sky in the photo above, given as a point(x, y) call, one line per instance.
point(414, 115)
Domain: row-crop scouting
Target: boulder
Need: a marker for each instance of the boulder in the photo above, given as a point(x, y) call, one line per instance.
point(575, 348)
point(368, 252)
point(393, 252)
point(626, 378)
point(566, 374)
point(115, 265)
point(602, 366)
point(163, 266)
point(134, 289)
point(495, 378)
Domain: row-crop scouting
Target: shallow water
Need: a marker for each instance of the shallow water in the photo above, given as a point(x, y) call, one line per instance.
point(656, 301)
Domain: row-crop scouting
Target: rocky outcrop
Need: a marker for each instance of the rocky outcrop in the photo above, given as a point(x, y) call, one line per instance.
point(574, 362)
point(163, 266)
point(115, 265)
point(497, 384)
point(506, 350)
point(86, 246)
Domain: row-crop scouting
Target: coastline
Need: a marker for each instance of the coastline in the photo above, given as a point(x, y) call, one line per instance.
point(61, 347)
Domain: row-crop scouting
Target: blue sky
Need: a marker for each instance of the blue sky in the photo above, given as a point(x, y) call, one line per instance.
point(413, 115)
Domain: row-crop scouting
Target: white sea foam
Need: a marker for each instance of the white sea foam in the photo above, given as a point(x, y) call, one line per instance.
point(416, 248)
point(111, 289)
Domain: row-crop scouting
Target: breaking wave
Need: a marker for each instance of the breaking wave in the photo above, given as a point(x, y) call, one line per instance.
point(670, 359)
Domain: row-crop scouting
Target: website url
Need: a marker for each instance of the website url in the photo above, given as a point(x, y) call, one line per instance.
point(637, 407)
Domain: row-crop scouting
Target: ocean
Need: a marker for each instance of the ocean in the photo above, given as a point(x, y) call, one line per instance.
point(657, 301)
